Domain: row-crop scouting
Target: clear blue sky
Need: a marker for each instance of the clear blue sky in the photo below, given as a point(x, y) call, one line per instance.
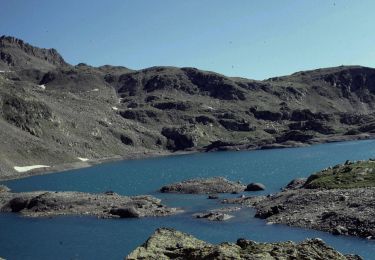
point(253, 39)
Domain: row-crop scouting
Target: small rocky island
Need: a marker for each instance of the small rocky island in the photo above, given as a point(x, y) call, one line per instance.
point(105, 205)
point(339, 200)
point(212, 185)
point(172, 244)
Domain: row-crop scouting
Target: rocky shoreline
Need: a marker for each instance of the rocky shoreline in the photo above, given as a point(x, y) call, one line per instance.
point(105, 205)
point(339, 200)
point(340, 212)
point(60, 168)
point(172, 244)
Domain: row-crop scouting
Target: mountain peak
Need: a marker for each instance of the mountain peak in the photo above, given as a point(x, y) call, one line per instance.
point(17, 54)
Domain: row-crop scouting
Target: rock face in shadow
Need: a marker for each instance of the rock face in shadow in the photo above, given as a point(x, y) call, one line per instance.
point(108, 205)
point(178, 138)
point(172, 244)
point(204, 186)
point(51, 111)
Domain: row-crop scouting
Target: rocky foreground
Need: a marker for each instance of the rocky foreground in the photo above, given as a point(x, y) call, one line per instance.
point(107, 205)
point(172, 244)
point(339, 200)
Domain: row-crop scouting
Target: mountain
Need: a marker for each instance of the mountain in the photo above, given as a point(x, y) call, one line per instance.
point(53, 113)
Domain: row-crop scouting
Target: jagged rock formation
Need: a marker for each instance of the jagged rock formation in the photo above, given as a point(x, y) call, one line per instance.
point(51, 111)
point(172, 244)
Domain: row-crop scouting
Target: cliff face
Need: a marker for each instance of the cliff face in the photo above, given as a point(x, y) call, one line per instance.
point(52, 112)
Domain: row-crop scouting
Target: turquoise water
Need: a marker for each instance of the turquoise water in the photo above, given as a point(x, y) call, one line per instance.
point(91, 238)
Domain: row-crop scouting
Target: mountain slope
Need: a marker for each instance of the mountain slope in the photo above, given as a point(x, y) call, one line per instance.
point(53, 113)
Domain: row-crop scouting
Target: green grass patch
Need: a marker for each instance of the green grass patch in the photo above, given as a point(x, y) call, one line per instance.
point(359, 174)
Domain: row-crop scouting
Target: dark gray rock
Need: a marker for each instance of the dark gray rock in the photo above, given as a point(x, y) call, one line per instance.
point(255, 186)
point(129, 212)
point(17, 204)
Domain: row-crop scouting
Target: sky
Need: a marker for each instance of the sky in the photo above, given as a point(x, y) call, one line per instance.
point(244, 38)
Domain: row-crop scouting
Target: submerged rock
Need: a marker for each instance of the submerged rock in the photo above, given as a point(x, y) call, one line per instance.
point(217, 214)
point(171, 244)
point(42, 204)
point(214, 216)
point(204, 186)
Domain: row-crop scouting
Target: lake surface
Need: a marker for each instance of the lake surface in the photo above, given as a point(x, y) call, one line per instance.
point(92, 238)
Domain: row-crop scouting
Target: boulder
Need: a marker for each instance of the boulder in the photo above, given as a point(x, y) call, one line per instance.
point(255, 186)
point(129, 212)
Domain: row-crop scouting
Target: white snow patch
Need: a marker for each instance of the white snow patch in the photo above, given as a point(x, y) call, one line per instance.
point(83, 159)
point(208, 107)
point(114, 108)
point(29, 168)
point(95, 90)
point(42, 86)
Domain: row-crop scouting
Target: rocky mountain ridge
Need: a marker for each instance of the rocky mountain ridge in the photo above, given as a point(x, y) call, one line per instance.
point(53, 113)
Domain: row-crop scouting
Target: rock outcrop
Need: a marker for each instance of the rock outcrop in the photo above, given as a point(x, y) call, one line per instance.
point(107, 205)
point(344, 212)
point(212, 185)
point(339, 200)
point(172, 244)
